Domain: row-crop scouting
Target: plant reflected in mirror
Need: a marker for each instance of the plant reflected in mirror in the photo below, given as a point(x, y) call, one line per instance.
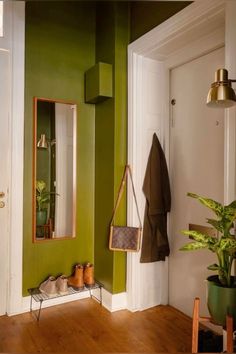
point(54, 169)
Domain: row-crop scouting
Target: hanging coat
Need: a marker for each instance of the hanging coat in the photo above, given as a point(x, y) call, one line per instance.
point(156, 188)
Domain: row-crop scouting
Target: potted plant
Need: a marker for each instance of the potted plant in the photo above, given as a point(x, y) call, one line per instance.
point(221, 287)
point(42, 201)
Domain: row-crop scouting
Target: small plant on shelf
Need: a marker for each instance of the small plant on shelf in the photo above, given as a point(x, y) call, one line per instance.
point(42, 195)
point(42, 200)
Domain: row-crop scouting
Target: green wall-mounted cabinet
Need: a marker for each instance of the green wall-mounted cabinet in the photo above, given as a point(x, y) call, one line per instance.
point(98, 83)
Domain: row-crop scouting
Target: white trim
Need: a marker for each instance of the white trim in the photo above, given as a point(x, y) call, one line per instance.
point(17, 157)
point(197, 14)
point(190, 51)
point(6, 47)
point(25, 307)
point(174, 42)
point(135, 115)
point(114, 302)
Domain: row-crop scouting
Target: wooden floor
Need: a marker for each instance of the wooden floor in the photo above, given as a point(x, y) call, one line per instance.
point(84, 326)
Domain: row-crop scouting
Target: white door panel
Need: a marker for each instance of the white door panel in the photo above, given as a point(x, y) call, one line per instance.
point(196, 165)
point(4, 175)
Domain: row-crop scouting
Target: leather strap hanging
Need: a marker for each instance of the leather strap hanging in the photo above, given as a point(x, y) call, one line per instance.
point(125, 238)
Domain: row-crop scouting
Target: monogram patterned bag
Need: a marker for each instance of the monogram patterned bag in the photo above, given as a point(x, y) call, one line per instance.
point(125, 238)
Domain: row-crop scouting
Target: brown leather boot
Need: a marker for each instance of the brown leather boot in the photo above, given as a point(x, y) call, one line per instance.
point(89, 274)
point(76, 280)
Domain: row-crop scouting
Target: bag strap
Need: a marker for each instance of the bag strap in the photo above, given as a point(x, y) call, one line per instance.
point(121, 190)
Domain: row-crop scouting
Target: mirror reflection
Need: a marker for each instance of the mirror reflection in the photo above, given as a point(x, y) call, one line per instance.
point(54, 169)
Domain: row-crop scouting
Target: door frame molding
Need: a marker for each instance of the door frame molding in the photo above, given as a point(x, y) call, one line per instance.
point(15, 43)
point(211, 19)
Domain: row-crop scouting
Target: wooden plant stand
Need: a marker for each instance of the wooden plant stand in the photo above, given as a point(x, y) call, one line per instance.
point(195, 328)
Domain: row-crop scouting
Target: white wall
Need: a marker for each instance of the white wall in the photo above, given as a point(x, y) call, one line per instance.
point(197, 166)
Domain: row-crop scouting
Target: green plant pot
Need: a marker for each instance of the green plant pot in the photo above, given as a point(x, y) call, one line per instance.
point(41, 217)
point(221, 301)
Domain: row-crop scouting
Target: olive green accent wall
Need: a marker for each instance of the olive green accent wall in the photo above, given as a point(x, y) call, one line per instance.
point(112, 38)
point(60, 47)
point(145, 15)
point(63, 40)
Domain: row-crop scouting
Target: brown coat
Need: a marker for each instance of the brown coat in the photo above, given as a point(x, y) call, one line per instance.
point(156, 187)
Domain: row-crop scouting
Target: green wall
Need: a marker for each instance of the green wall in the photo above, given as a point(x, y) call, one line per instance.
point(63, 40)
point(145, 15)
point(60, 47)
point(112, 38)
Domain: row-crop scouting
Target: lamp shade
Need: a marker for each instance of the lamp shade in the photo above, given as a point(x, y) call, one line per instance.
point(42, 143)
point(221, 94)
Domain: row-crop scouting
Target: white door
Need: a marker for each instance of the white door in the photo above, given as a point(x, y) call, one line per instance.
point(4, 175)
point(196, 165)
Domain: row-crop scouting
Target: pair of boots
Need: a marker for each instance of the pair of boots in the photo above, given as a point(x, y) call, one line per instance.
point(83, 275)
point(54, 286)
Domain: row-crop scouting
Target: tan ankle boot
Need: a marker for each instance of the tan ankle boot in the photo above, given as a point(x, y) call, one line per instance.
point(76, 280)
point(89, 274)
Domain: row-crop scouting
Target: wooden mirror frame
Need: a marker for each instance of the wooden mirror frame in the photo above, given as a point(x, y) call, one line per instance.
point(34, 172)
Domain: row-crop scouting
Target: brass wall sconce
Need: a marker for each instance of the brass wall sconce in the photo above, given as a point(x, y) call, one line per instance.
point(43, 143)
point(221, 94)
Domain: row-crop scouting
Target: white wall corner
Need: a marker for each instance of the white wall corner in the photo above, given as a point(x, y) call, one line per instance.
point(114, 302)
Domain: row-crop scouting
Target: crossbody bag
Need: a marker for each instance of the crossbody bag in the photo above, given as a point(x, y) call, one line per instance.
point(125, 238)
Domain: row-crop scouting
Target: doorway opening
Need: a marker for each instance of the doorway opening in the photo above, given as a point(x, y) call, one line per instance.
point(192, 33)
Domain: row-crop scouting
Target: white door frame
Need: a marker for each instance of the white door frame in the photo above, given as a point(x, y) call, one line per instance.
point(13, 42)
point(196, 30)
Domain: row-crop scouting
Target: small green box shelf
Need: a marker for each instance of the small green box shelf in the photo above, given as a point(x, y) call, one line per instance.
point(98, 83)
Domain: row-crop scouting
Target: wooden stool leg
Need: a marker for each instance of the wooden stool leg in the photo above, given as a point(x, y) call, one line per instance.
point(195, 325)
point(229, 329)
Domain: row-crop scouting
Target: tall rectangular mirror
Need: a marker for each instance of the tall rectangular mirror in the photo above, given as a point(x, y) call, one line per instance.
point(54, 169)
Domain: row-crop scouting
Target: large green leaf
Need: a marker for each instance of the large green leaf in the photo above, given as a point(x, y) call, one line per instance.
point(200, 237)
point(209, 203)
point(228, 244)
point(231, 208)
point(232, 205)
point(217, 224)
point(192, 246)
point(214, 267)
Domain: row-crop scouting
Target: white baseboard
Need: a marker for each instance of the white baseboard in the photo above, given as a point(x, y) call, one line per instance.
point(114, 302)
point(109, 301)
point(25, 303)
